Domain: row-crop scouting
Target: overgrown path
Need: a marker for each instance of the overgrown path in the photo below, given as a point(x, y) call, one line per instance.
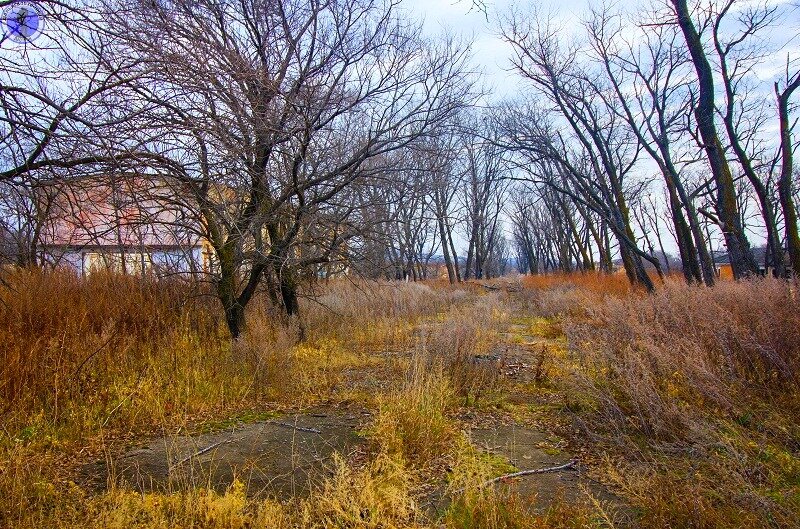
point(532, 348)
point(285, 455)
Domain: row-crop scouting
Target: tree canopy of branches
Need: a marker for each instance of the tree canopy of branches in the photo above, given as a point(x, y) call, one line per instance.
point(264, 115)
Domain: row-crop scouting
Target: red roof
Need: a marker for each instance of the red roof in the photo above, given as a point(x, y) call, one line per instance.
point(123, 212)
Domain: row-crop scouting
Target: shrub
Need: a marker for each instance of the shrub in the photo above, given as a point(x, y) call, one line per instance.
point(658, 364)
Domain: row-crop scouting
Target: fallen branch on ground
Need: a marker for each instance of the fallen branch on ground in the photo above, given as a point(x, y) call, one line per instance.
point(201, 452)
point(295, 427)
point(566, 466)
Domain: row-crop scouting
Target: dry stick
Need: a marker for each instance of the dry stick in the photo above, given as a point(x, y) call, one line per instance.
point(129, 396)
point(566, 466)
point(91, 355)
point(203, 451)
point(294, 427)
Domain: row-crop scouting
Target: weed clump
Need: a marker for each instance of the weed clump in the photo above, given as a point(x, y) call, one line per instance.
point(466, 347)
point(412, 422)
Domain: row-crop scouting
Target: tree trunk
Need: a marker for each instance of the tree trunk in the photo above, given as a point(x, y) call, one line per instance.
point(661, 247)
point(226, 291)
point(741, 257)
point(456, 266)
point(785, 181)
point(289, 297)
point(764, 200)
point(448, 262)
point(584, 257)
point(686, 248)
point(234, 318)
point(470, 253)
point(707, 266)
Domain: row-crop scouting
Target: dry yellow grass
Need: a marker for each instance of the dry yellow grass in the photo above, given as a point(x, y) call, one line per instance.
point(692, 392)
point(412, 422)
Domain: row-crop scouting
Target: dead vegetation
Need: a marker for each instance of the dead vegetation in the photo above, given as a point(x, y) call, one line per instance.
point(673, 362)
point(684, 402)
point(699, 387)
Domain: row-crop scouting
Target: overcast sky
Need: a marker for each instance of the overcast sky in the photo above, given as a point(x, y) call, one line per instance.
point(492, 56)
point(490, 53)
point(457, 17)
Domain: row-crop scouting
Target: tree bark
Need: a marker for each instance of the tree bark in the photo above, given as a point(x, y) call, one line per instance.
point(741, 257)
point(226, 291)
point(785, 181)
point(448, 262)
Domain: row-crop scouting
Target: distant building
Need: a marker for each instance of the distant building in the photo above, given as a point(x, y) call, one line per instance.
point(130, 225)
point(722, 262)
point(668, 263)
point(9, 247)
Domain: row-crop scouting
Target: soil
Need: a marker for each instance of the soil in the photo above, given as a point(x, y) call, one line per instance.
point(280, 458)
point(529, 449)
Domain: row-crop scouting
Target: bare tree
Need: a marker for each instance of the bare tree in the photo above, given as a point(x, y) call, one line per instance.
point(55, 120)
point(484, 187)
point(744, 112)
point(444, 153)
point(54, 111)
point(650, 80)
point(741, 257)
point(264, 114)
point(591, 163)
point(787, 169)
point(550, 231)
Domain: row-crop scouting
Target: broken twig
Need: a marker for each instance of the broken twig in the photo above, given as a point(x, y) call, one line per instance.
point(566, 466)
point(201, 452)
point(295, 427)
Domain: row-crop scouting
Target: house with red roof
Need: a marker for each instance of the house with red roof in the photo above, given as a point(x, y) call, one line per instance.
point(127, 225)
